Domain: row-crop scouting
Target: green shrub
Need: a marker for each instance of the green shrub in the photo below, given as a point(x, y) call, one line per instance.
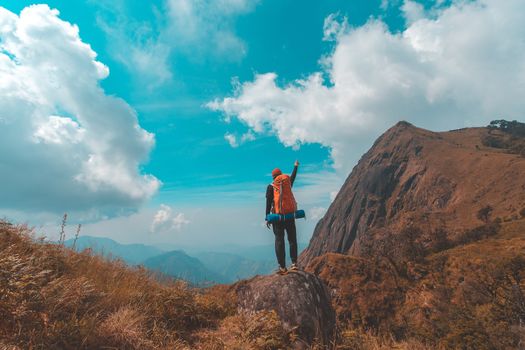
point(484, 213)
point(478, 233)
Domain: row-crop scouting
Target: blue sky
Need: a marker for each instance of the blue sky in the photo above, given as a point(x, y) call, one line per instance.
point(169, 134)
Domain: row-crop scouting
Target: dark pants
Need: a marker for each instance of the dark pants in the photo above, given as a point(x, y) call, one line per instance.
point(278, 230)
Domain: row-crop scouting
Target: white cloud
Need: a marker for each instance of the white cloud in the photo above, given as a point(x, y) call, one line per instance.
point(464, 66)
point(64, 144)
point(316, 213)
point(232, 139)
point(207, 27)
point(196, 29)
point(59, 130)
point(138, 47)
point(248, 136)
point(166, 221)
point(236, 141)
point(413, 11)
point(334, 26)
point(386, 4)
point(179, 221)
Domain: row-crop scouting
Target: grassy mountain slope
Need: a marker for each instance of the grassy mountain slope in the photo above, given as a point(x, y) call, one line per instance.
point(432, 180)
point(54, 298)
point(426, 239)
point(469, 296)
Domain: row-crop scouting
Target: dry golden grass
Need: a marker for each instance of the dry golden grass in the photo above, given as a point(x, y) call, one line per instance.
point(53, 297)
point(353, 339)
point(258, 331)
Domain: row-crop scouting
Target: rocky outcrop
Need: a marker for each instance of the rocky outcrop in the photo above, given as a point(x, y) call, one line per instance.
point(300, 299)
point(415, 177)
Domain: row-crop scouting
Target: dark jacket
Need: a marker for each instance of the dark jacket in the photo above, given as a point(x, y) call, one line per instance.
point(269, 192)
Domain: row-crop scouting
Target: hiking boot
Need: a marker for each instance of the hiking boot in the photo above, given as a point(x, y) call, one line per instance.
point(294, 267)
point(281, 271)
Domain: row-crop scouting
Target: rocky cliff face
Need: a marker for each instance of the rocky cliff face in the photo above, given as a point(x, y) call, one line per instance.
point(300, 299)
point(418, 178)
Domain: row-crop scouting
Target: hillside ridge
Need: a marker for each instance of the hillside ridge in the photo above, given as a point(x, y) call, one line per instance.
point(415, 177)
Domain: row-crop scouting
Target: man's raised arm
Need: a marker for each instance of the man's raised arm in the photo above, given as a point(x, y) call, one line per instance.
point(294, 172)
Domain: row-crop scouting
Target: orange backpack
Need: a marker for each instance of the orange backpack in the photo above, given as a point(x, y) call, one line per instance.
point(283, 199)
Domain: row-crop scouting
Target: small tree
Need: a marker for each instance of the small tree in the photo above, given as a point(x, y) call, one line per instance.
point(514, 127)
point(485, 213)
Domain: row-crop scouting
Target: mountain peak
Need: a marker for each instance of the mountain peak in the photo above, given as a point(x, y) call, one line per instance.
point(413, 176)
point(403, 127)
point(403, 124)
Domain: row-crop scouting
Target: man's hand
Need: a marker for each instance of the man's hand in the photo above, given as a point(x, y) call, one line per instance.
point(268, 224)
point(296, 163)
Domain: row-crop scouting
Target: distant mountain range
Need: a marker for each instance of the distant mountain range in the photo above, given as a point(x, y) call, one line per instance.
point(197, 267)
point(180, 265)
point(234, 267)
point(258, 252)
point(132, 254)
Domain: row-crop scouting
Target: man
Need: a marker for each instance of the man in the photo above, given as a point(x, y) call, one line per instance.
point(280, 200)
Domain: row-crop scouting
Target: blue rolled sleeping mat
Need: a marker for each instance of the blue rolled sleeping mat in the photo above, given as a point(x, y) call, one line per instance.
point(299, 214)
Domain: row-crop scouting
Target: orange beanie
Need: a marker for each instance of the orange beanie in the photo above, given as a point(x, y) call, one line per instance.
point(276, 172)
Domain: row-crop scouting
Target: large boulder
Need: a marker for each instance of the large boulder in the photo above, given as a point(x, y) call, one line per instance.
point(300, 299)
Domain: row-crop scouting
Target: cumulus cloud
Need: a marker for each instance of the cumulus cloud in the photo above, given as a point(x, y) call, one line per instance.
point(59, 130)
point(64, 143)
point(461, 67)
point(413, 11)
point(165, 220)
